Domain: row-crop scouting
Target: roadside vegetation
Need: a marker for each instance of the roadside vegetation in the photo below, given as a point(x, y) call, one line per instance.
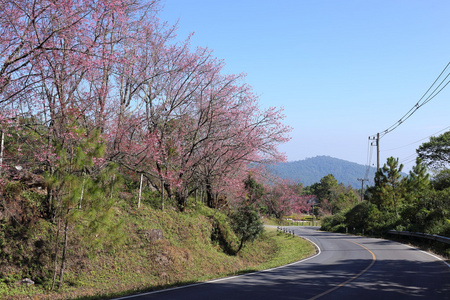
point(419, 202)
point(127, 155)
point(130, 161)
point(147, 249)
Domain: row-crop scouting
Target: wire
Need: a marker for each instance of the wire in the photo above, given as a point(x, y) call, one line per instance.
point(419, 104)
point(409, 159)
point(435, 82)
point(417, 141)
point(370, 181)
point(405, 117)
point(434, 95)
point(369, 159)
point(411, 156)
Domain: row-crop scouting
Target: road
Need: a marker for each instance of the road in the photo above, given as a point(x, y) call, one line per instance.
point(346, 267)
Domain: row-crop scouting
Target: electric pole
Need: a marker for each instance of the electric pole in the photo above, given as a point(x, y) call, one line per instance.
point(376, 143)
point(362, 187)
point(378, 151)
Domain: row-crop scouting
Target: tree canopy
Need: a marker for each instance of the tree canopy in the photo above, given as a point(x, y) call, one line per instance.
point(436, 152)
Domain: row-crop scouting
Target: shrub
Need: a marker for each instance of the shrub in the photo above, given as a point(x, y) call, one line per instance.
point(246, 224)
point(329, 222)
point(223, 234)
point(363, 216)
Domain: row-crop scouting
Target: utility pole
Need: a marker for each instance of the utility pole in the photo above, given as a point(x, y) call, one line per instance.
point(378, 151)
point(362, 187)
point(377, 143)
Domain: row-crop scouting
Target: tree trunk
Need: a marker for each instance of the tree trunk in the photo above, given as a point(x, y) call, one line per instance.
point(140, 191)
point(168, 190)
point(82, 191)
point(2, 146)
point(63, 258)
point(241, 244)
point(210, 198)
point(55, 266)
point(162, 194)
point(209, 195)
point(181, 201)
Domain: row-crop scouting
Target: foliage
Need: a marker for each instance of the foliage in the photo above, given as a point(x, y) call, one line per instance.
point(388, 192)
point(223, 234)
point(429, 214)
point(436, 152)
point(159, 108)
point(331, 196)
point(441, 180)
point(334, 223)
point(96, 95)
point(283, 198)
point(186, 254)
point(418, 181)
point(246, 224)
point(254, 190)
point(325, 188)
point(412, 203)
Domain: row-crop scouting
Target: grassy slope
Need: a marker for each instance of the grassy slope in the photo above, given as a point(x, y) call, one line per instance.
point(186, 254)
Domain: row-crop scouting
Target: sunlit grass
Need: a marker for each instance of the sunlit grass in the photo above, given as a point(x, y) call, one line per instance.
point(186, 255)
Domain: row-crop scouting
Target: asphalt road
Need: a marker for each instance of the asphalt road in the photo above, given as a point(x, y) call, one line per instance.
point(346, 267)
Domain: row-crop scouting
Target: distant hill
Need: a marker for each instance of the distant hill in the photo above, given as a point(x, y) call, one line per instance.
point(311, 170)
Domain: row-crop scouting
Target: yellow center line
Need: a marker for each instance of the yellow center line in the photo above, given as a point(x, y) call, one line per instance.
point(374, 258)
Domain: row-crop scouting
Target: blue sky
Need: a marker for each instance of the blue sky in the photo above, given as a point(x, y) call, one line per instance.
point(342, 70)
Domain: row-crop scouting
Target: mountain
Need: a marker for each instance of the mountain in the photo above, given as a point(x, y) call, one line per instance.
point(311, 170)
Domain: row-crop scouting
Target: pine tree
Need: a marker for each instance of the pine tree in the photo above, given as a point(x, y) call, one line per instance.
point(81, 190)
point(418, 181)
point(388, 190)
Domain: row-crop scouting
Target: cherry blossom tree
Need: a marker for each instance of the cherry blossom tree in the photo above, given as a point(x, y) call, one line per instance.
point(111, 68)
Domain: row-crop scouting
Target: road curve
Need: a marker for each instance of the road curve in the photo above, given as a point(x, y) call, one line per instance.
point(346, 267)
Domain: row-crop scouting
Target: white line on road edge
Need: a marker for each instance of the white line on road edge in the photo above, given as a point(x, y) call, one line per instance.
point(226, 278)
point(430, 254)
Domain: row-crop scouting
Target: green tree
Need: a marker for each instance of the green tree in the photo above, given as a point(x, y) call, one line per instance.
point(346, 199)
point(441, 180)
point(388, 192)
point(418, 181)
point(325, 188)
point(436, 153)
point(246, 224)
point(333, 197)
point(254, 190)
point(363, 216)
point(80, 193)
point(429, 214)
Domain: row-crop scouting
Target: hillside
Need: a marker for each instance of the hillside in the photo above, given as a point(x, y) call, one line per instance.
point(311, 170)
point(149, 249)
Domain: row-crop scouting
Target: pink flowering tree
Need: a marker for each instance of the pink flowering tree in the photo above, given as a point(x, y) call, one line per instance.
point(283, 198)
point(110, 70)
point(56, 85)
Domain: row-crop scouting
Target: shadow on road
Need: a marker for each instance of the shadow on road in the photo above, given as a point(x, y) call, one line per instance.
point(307, 280)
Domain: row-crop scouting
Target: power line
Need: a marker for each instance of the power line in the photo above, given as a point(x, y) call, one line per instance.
point(405, 162)
point(420, 103)
point(369, 158)
point(417, 140)
point(412, 158)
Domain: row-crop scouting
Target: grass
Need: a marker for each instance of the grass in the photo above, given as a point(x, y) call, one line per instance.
point(305, 221)
point(185, 255)
point(291, 249)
